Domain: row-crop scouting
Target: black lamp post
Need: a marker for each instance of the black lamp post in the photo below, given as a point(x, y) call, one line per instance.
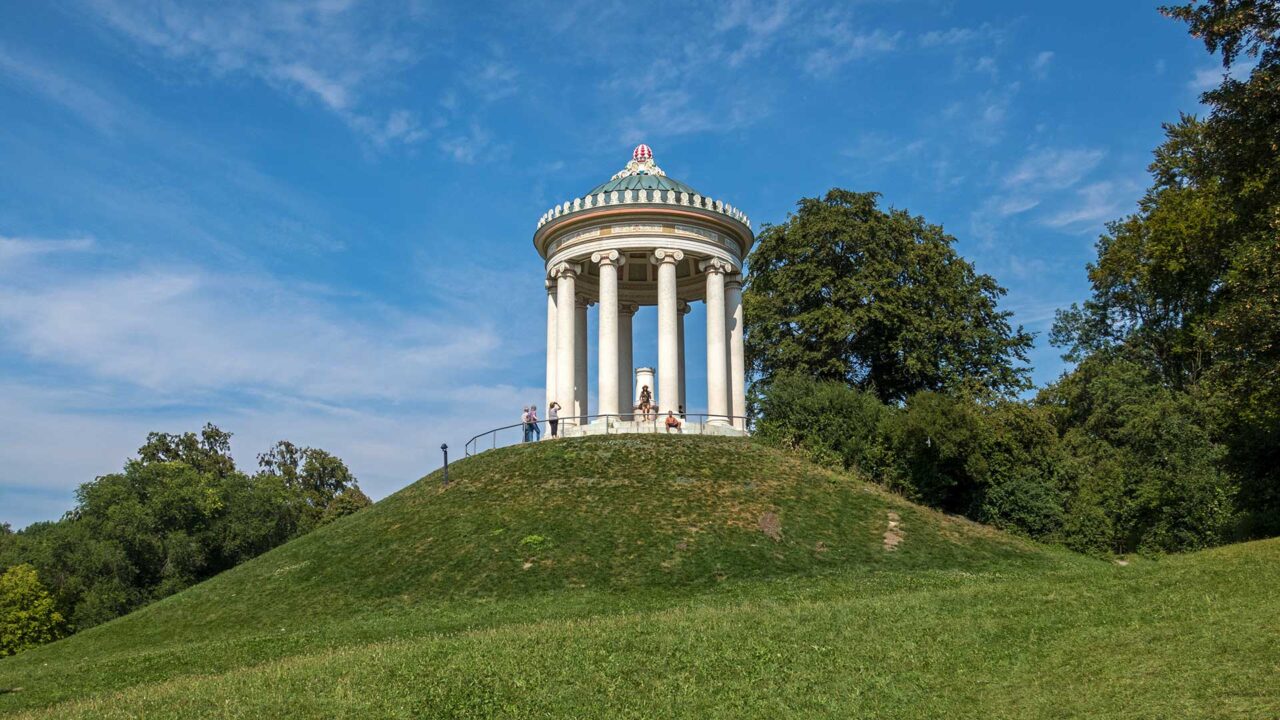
point(444, 448)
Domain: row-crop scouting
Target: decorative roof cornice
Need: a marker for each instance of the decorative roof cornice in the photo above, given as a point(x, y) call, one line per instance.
point(642, 197)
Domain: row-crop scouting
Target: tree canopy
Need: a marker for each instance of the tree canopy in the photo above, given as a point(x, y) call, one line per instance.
point(846, 291)
point(1189, 285)
point(180, 512)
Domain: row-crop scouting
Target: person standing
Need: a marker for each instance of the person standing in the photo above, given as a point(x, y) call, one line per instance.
point(646, 402)
point(535, 432)
point(553, 418)
point(524, 423)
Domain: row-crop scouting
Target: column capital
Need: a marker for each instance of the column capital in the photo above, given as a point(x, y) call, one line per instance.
point(715, 265)
point(683, 307)
point(564, 269)
point(609, 257)
point(583, 302)
point(733, 282)
point(663, 256)
point(628, 308)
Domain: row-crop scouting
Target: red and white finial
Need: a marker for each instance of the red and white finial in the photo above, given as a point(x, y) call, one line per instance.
point(641, 163)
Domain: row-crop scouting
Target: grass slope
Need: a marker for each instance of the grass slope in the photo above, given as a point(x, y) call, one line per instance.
point(682, 577)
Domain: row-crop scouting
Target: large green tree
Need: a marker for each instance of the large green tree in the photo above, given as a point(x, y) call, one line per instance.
point(1243, 155)
point(319, 485)
point(1189, 285)
point(848, 292)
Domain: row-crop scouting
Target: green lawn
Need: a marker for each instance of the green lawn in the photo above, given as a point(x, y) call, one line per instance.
point(676, 577)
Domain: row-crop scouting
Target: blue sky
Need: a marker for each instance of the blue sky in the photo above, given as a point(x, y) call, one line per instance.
point(312, 220)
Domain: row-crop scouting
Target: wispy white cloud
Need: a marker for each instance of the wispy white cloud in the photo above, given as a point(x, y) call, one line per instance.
point(986, 65)
point(1015, 205)
point(326, 51)
point(1053, 168)
point(189, 332)
point(982, 34)
point(1040, 65)
point(90, 105)
point(1037, 178)
point(1208, 78)
point(1094, 204)
point(757, 27)
point(843, 43)
point(878, 148)
point(983, 117)
point(125, 348)
point(386, 447)
point(496, 79)
point(15, 249)
point(469, 146)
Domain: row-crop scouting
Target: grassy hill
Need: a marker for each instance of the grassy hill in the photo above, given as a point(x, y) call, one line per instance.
point(674, 576)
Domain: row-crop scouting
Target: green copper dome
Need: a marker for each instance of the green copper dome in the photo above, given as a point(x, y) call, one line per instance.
point(643, 182)
point(642, 174)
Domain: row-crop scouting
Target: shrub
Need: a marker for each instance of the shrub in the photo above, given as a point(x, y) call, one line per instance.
point(27, 614)
point(835, 424)
point(992, 463)
point(1144, 472)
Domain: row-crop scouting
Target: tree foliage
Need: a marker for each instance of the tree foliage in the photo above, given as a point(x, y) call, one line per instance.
point(1188, 287)
point(27, 613)
point(1141, 467)
point(847, 292)
point(178, 513)
point(314, 480)
point(996, 463)
point(835, 424)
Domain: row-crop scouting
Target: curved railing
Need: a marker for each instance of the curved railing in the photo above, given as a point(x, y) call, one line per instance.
point(690, 424)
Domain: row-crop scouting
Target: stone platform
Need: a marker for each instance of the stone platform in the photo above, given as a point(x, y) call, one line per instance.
point(614, 426)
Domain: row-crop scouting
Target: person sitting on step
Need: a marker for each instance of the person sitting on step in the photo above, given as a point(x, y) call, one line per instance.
point(673, 423)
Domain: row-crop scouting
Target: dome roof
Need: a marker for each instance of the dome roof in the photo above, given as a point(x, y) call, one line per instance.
point(642, 174)
point(642, 182)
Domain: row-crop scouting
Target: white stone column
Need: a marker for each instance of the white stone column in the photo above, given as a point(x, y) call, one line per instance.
point(580, 395)
point(717, 358)
point(668, 338)
point(737, 361)
point(682, 401)
point(552, 350)
point(626, 312)
point(607, 342)
point(566, 338)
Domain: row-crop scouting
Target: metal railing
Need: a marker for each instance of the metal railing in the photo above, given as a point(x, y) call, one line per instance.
point(583, 426)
